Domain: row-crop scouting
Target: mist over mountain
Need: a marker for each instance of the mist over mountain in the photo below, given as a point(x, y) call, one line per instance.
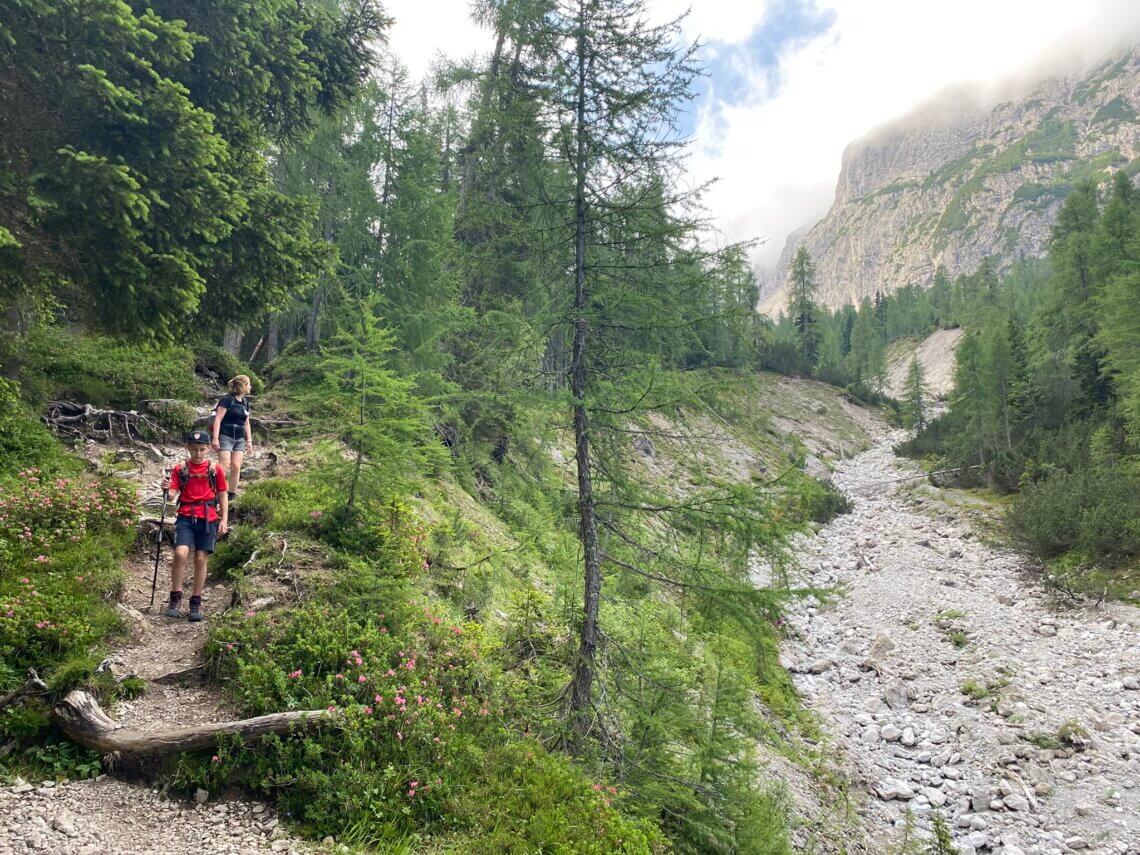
point(962, 178)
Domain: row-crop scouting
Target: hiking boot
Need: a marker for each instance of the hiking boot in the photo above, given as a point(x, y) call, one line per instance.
point(196, 609)
point(172, 611)
point(231, 495)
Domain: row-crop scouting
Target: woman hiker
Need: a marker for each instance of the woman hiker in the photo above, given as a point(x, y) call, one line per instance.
point(232, 437)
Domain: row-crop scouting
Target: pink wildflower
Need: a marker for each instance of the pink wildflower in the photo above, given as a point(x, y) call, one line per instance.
point(295, 674)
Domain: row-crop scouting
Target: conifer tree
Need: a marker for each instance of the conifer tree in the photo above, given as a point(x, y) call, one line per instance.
point(914, 395)
point(137, 190)
point(619, 81)
point(967, 401)
point(804, 311)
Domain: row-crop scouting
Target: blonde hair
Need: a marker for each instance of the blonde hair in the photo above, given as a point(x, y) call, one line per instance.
point(239, 385)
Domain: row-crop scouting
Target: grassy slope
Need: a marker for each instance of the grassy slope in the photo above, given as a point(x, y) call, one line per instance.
point(503, 555)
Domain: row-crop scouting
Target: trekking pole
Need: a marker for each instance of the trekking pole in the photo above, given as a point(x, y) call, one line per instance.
point(158, 546)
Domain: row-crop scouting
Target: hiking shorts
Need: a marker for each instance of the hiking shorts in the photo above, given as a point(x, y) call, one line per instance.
point(226, 442)
point(195, 533)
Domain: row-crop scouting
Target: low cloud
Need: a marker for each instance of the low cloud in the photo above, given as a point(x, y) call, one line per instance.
point(793, 82)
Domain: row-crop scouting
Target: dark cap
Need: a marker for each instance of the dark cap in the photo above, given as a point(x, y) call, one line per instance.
point(197, 436)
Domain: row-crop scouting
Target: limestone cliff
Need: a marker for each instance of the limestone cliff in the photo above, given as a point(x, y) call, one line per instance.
point(951, 186)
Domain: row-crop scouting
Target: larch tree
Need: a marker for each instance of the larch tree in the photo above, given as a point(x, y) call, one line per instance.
point(619, 82)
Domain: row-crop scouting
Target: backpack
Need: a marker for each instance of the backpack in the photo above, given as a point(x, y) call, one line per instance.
point(184, 477)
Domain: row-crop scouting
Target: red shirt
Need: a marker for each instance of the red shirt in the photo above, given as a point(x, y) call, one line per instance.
point(197, 490)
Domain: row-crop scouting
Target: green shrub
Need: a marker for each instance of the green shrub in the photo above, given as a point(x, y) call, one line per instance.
point(55, 758)
point(806, 499)
point(61, 541)
point(214, 360)
point(178, 417)
point(24, 441)
point(421, 743)
point(1096, 511)
point(105, 371)
point(234, 551)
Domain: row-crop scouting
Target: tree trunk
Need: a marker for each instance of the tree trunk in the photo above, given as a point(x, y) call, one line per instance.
point(231, 339)
point(81, 718)
point(582, 684)
point(312, 331)
point(272, 337)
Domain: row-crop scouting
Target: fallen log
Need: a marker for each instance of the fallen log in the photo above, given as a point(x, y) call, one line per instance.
point(81, 718)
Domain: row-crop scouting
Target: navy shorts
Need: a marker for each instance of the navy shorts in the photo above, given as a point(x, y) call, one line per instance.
point(195, 533)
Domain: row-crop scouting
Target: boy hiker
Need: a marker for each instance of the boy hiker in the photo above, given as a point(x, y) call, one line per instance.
point(201, 487)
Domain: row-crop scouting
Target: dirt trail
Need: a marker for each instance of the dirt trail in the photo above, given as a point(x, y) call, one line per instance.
point(1045, 758)
point(108, 816)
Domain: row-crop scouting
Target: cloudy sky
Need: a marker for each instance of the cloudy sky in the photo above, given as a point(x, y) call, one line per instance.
point(792, 82)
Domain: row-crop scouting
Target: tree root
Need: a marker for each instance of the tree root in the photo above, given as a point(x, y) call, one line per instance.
point(83, 721)
point(88, 422)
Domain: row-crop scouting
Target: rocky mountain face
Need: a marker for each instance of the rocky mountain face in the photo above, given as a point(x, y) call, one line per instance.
point(950, 185)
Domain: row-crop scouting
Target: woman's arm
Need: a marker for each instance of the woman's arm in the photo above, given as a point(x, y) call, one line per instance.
point(219, 414)
point(248, 434)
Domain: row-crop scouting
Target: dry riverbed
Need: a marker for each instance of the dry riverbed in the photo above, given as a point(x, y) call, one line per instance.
point(953, 685)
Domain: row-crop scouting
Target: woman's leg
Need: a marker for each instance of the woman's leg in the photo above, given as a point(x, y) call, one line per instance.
point(233, 474)
point(224, 462)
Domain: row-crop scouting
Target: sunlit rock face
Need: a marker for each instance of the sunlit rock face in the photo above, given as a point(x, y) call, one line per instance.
point(950, 184)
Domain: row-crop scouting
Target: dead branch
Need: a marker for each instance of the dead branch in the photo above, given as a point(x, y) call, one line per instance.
point(171, 678)
point(81, 718)
point(32, 686)
point(258, 422)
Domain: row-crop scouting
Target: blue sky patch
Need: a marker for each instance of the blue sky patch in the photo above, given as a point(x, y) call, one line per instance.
point(733, 68)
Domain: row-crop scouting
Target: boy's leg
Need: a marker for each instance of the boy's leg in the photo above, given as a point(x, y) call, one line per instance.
point(177, 569)
point(201, 562)
point(205, 535)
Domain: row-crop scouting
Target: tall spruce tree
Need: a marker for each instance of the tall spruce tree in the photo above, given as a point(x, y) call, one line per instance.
point(804, 312)
point(915, 394)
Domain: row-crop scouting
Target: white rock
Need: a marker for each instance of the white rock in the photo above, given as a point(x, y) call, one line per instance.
point(1017, 802)
point(895, 789)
